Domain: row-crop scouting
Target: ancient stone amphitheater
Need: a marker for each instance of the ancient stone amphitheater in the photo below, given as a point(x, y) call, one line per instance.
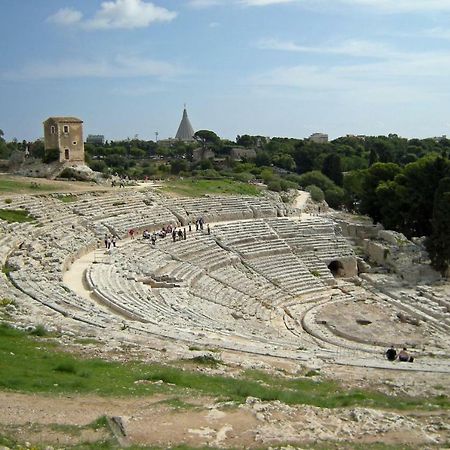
point(267, 280)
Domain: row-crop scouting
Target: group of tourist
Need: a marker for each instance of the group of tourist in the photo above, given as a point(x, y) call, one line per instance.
point(178, 234)
point(110, 241)
point(402, 355)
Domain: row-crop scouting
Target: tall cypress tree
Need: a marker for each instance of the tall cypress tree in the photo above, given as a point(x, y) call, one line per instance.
point(438, 244)
point(332, 168)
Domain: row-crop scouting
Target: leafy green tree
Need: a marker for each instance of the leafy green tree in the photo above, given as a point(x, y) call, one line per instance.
point(263, 159)
point(206, 138)
point(373, 157)
point(376, 174)
point(420, 181)
point(438, 244)
point(267, 175)
point(285, 161)
point(246, 140)
point(177, 166)
point(316, 193)
point(335, 197)
point(318, 179)
point(305, 157)
point(332, 168)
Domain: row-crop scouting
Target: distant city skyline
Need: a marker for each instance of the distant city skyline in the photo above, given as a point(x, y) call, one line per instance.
point(262, 67)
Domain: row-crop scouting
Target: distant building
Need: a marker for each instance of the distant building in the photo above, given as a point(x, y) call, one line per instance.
point(199, 154)
point(185, 131)
point(238, 153)
point(66, 135)
point(98, 139)
point(319, 138)
point(440, 138)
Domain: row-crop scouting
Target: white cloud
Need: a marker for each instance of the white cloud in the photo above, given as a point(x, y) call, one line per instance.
point(66, 16)
point(118, 67)
point(116, 14)
point(264, 2)
point(353, 47)
point(203, 3)
point(380, 6)
point(399, 6)
point(414, 73)
point(436, 33)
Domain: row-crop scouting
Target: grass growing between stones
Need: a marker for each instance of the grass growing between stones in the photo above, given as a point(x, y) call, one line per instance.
point(14, 185)
point(33, 364)
point(67, 198)
point(197, 187)
point(19, 215)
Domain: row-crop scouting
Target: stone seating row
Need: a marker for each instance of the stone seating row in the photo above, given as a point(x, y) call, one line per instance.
point(60, 299)
point(288, 273)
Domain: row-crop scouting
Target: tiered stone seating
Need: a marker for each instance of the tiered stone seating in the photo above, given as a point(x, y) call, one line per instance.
point(287, 273)
point(221, 208)
point(315, 240)
point(120, 211)
point(268, 255)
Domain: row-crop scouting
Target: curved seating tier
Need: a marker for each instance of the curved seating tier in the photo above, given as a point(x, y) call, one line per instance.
point(258, 280)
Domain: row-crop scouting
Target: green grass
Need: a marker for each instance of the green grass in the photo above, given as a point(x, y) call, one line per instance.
point(205, 360)
point(15, 215)
point(34, 364)
point(67, 198)
point(199, 187)
point(177, 403)
point(9, 184)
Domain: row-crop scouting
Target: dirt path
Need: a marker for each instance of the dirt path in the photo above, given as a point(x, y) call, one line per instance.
point(160, 420)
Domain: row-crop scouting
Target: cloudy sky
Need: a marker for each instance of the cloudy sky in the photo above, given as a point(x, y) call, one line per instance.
point(268, 67)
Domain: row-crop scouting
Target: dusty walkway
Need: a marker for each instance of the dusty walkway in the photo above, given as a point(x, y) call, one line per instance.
point(163, 421)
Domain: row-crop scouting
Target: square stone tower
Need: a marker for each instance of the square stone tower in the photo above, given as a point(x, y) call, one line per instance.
point(65, 134)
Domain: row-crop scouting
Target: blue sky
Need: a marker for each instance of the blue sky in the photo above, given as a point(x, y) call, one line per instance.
point(268, 67)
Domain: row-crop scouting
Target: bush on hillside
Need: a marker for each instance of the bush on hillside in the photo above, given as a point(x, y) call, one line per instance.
point(335, 197)
point(316, 193)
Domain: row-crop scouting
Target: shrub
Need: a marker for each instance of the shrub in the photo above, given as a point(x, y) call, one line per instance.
point(207, 360)
point(51, 155)
point(244, 177)
point(66, 367)
point(274, 185)
point(317, 179)
point(335, 197)
point(39, 330)
point(8, 201)
point(98, 166)
point(286, 185)
point(316, 193)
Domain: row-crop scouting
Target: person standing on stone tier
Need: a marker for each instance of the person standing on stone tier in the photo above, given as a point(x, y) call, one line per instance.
point(184, 233)
point(174, 235)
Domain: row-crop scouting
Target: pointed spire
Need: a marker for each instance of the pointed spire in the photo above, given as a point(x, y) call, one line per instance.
point(185, 131)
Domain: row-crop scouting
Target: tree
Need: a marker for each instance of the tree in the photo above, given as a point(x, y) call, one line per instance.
point(332, 168)
point(263, 159)
point(438, 244)
point(317, 179)
point(246, 140)
point(206, 138)
point(2, 135)
point(335, 197)
point(376, 174)
point(177, 166)
point(316, 193)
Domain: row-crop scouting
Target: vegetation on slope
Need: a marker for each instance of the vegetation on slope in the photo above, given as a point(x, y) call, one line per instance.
point(35, 364)
point(15, 215)
point(199, 187)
